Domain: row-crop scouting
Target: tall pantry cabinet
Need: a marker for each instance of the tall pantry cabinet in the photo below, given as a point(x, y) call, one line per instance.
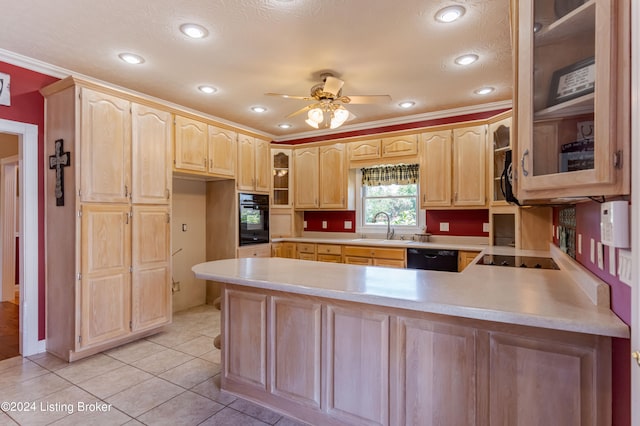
point(108, 266)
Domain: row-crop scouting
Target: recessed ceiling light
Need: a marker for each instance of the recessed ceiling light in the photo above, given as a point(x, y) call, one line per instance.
point(207, 89)
point(258, 109)
point(407, 104)
point(194, 30)
point(449, 13)
point(466, 59)
point(284, 126)
point(484, 91)
point(131, 58)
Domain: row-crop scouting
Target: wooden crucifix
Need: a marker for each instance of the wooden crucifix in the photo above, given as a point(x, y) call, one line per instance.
point(57, 161)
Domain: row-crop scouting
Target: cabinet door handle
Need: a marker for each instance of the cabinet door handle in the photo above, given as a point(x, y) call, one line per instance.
point(167, 193)
point(126, 191)
point(211, 163)
point(126, 218)
point(525, 172)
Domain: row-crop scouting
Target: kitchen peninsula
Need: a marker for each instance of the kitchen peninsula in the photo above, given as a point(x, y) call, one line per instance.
point(348, 344)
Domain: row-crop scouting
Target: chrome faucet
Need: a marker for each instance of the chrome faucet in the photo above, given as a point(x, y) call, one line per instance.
point(390, 231)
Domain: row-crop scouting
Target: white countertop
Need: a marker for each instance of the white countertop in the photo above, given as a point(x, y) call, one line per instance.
point(539, 298)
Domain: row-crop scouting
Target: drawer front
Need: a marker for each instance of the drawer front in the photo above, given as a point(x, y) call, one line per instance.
point(375, 252)
point(306, 248)
point(353, 260)
point(333, 258)
point(329, 249)
point(306, 256)
point(260, 250)
point(389, 263)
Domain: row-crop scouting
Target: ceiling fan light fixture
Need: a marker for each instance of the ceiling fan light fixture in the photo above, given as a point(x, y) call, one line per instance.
point(450, 13)
point(194, 30)
point(338, 117)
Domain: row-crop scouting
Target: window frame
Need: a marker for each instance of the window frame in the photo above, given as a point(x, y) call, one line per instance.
point(381, 227)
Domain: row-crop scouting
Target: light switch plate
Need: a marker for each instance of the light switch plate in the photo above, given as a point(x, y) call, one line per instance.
point(444, 226)
point(579, 243)
point(612, 260)
point(324, 224)
point(592, 252)
point(624, 266)
point(600, 255)
point(184, 227)
point(304, 224)
point(485, 227)
point(348, 224)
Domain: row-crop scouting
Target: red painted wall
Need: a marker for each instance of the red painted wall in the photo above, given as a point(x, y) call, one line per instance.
point(335, 221)
point(588, 224)
point(27, 106)
point(461, 222)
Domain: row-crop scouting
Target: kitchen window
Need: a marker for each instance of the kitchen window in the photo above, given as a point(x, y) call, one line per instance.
point(392, 190)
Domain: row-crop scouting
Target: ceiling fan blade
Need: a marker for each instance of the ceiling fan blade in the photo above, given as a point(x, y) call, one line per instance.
point(301, 110)
point(365, 99)
point(304, 98)
point(332, 85)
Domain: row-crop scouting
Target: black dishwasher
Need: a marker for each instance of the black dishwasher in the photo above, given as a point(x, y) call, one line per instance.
point(432, 259)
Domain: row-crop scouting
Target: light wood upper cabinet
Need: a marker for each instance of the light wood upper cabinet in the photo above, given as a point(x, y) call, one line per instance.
point(501, 144)
point(572, 99)
point(321, 177)
point(364, 150)
point(150, 155)
point(191, 145)
point(333, 177)
point(282, 177)
point(105, 151)
point(306, 181)
point(435, 170)
point(400, 146)
point(469, 166)
point(254, 164)
point(151, 247)
point(222, 151)
point(453, 172)
point(105, 296)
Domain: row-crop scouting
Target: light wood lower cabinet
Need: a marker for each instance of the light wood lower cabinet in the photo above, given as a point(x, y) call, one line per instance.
point(433, 373)
point(256, 250)
point(465, 258)
point(286, 250)
point(357, 353)
point(345, 363)
point(375, 256)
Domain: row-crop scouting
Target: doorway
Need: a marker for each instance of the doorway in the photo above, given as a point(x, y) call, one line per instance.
point(9, 238)
point(27, 234)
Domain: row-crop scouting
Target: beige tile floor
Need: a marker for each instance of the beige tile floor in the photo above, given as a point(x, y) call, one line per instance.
point(171, 378)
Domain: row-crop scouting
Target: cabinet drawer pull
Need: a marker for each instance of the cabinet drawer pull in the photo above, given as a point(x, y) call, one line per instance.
point(525, 172)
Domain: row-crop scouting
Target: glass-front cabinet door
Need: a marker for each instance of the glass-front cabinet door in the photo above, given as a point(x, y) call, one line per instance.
point(572, 85)
point(281, 176)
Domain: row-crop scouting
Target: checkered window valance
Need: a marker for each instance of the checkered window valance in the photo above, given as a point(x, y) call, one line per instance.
point(400, 174)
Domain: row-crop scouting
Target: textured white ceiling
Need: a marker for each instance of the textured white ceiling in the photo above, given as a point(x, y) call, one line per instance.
point(258, 46)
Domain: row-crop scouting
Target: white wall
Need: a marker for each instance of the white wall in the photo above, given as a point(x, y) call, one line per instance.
point(189, 207)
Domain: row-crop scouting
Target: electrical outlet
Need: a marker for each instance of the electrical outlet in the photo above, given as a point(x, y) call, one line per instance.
point(444, 226)
point(324, 224)
point(612, 260)
point(304, 224)
point(592, 252)
point(600, 255)
point(485, 227)
point(624, 266)
point(348, 224)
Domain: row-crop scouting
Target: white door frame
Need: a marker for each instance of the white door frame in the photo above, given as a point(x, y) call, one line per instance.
point(635, 209)
point(8, 221)
point(28, 172)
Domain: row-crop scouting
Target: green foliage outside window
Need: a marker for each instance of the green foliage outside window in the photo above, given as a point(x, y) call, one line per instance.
point(400, 202)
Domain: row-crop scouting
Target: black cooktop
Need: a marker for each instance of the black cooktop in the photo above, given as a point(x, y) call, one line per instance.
point(518, 261)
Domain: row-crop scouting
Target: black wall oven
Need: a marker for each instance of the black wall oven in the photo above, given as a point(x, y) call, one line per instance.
point(254, 219)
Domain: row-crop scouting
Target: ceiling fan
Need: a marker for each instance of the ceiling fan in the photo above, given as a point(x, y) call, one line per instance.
point(329, 110)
